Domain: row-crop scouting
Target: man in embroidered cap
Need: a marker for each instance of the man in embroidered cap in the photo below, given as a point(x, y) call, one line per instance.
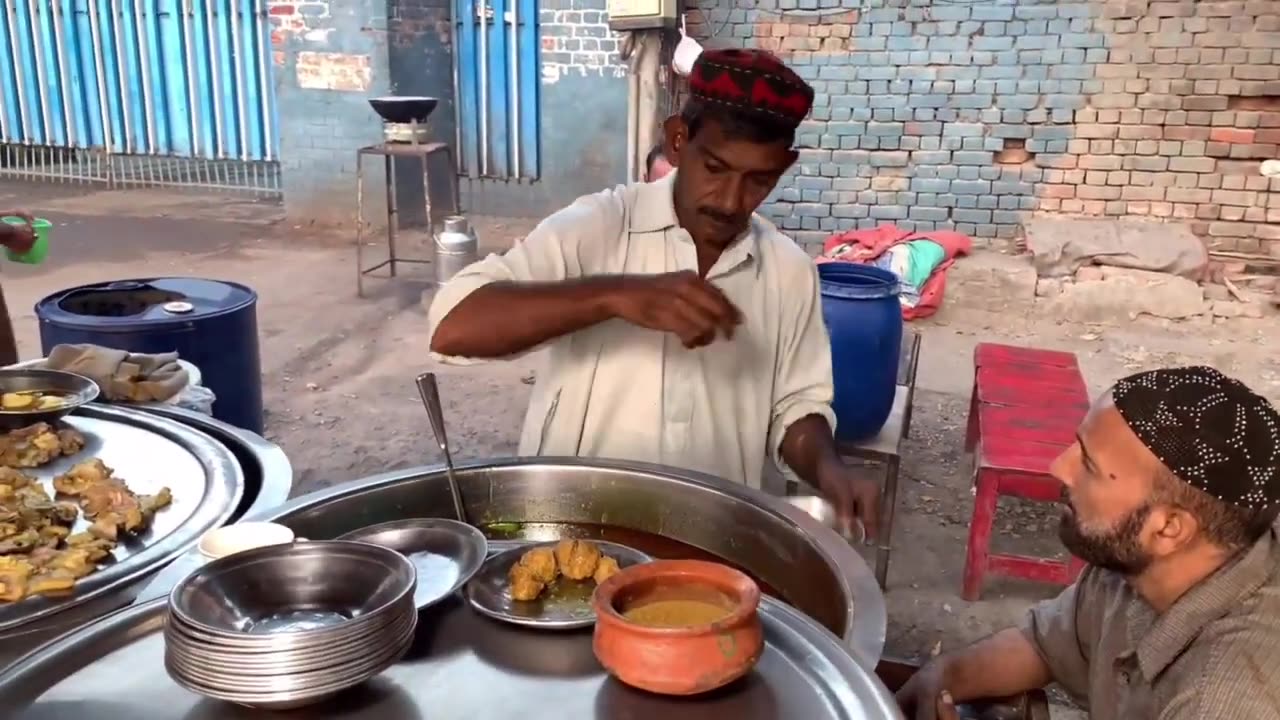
point(681, 329)
point(1171, 492)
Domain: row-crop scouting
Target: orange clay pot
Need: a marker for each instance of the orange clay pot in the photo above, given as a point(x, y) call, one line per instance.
point(678, 660)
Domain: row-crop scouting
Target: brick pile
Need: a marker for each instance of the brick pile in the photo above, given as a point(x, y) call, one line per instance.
point(973, 115)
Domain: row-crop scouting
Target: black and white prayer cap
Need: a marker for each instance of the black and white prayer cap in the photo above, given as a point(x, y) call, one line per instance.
point(1210, 430)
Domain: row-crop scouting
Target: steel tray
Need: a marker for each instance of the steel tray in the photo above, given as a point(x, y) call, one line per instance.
point(148, 452)
point(463, 665)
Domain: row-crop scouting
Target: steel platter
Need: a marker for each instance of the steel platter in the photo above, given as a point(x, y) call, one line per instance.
point(462, 665)
point(148, 453)
point(466, 665)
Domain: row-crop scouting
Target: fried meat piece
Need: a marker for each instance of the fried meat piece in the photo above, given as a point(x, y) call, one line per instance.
point(82, 476)
point(607, 568)
point(577, 558)
point(542, 563)
point(525, 585)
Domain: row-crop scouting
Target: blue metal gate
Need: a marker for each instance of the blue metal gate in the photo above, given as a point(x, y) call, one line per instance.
point(153, 92)
point(496, 67)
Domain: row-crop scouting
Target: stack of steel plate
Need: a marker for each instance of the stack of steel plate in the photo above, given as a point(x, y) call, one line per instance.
point(288, 625)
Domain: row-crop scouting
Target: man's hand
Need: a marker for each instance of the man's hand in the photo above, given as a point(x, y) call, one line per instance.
point(922, 697)
point(854, 495)
point(18, 238)
point(681, 303)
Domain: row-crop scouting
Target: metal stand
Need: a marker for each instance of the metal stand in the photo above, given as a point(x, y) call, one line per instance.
point(391, 152)
point(885, 448)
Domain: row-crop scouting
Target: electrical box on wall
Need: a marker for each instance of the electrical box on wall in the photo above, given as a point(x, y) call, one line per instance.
point(642, 14)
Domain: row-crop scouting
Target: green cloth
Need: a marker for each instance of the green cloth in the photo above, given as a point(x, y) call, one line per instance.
point(924, 257)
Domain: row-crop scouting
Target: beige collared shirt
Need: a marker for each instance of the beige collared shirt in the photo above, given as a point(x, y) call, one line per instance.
point(1214, 655)
point(622, 392)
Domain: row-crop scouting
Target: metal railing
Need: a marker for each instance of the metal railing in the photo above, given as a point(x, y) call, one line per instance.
point(138, 93)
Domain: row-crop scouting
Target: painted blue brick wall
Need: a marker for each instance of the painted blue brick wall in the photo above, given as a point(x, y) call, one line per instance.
point(321, 127)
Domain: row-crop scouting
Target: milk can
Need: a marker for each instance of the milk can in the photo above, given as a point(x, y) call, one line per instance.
point(456, 248)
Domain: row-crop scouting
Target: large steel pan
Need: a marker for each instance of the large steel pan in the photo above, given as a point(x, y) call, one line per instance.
point(808, 564)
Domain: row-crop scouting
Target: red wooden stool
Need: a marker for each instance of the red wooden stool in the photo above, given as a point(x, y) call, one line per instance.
point(1024, 411)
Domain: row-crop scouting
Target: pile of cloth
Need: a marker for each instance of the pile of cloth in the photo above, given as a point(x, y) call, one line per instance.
point(919, 259)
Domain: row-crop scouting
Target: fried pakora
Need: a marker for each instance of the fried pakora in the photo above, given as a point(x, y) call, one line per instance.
point(540, 567)
point(524, 584)
point(542, 564)
point(607, 568)
point(107, 501)
point(39, 553)
point(37, 445)
point(577, 559)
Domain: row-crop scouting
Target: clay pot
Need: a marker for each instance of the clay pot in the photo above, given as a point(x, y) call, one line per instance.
point(678, 660)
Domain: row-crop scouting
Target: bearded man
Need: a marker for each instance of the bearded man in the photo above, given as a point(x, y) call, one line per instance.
point(1171, 492)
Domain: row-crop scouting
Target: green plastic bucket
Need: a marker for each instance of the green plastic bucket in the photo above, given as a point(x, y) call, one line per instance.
point(40, 250)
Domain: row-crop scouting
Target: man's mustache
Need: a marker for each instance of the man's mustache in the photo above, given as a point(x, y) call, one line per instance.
point(718, 216)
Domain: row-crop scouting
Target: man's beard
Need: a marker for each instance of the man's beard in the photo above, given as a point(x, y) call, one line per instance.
point(1117, 549)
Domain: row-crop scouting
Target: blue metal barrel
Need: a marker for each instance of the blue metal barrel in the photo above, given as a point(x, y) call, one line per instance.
point(864, 320)
point(209, 323)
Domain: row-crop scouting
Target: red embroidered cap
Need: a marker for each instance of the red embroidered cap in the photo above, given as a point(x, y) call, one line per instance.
point(751, 80)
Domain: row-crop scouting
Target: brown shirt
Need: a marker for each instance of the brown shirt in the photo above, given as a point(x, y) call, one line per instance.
point(1214, 655)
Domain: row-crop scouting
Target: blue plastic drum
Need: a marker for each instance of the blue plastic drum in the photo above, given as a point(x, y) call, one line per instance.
point(209, 323)
point(864, 319)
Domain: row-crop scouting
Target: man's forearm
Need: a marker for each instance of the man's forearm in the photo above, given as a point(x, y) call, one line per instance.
point(1002, 665)
point(807, 446)
point(504, 319)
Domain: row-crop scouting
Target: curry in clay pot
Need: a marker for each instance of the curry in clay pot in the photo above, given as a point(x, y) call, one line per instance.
point(678, 627)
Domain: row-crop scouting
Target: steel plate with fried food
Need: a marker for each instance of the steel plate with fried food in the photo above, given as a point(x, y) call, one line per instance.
point(39, 552)
point(548, 585)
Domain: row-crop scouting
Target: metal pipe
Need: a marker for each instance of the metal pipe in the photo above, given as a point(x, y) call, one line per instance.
point(457, 89)
point(33, 17)
point(23, 114)
point(68, 109)
point(104, 108)
point(211, 34)
point(515, 88)
point(483, 89)
point(236, 42)
point(121, 73)
point(193, 106)
point(139, 29)
point(262, 25)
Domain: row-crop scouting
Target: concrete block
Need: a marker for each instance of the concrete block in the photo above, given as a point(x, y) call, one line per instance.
point(987, 13)
point(973, 216)
point(970, 157)
point(930, 185)
point(970, 187)
point(888, 212)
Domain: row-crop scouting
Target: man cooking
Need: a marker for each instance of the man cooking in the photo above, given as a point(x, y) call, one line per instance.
point(1171, 492)
point(679, 329)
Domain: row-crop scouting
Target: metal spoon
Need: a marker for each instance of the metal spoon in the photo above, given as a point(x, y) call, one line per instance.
point(431, 399)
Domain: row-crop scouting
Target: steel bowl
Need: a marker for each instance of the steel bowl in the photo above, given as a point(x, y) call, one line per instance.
point(258, 596)
point(825, 513)
point(446, 553)
point(78, 389)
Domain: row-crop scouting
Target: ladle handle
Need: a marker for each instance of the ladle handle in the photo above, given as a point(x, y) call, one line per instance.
point(431, 399)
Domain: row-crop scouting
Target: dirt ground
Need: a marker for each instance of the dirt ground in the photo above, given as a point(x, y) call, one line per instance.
point(338, 372)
